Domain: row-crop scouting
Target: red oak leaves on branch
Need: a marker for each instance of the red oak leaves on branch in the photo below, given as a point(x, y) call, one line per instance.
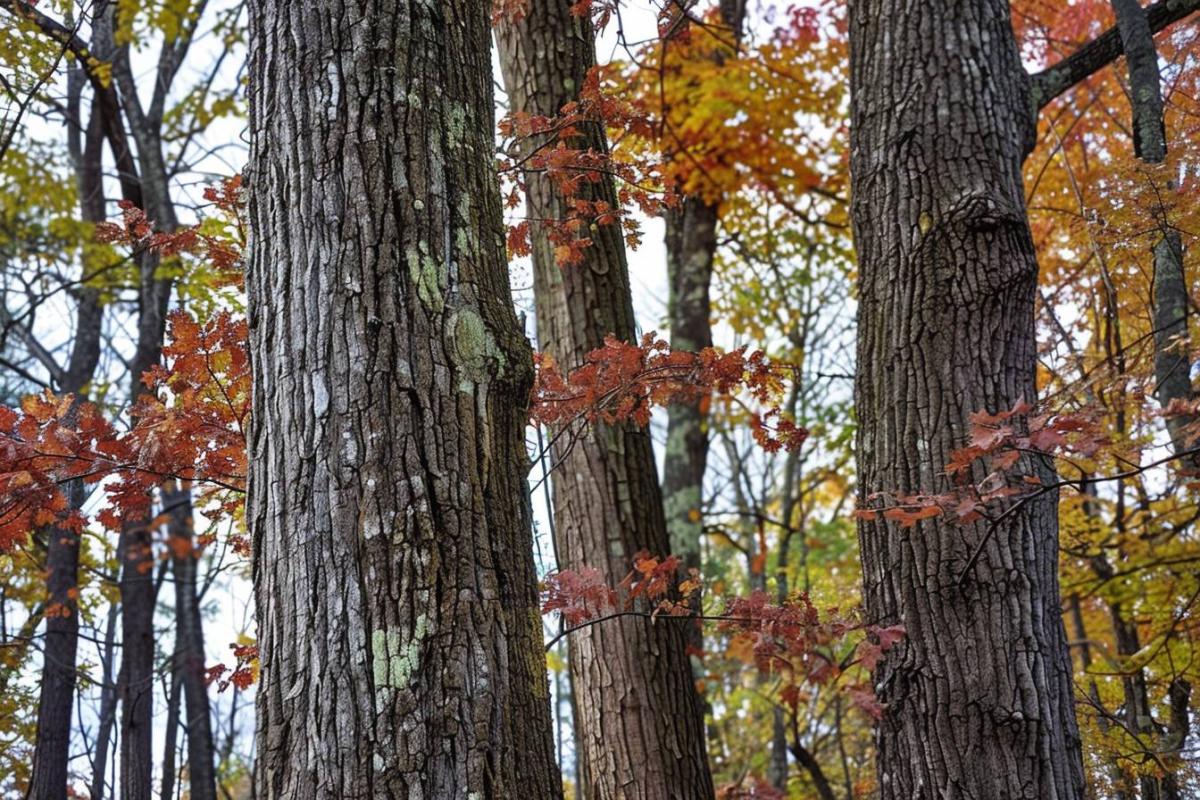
point(792, 640)
point(191, 427)
point(989, 468)
point(556, 147)
point(222, 252)
point(241, 675)
point(651, 587)
point(48, 441)
point(622, 381)
point(799, 644)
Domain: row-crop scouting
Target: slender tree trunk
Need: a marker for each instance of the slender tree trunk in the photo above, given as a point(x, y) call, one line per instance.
point(790, 501)
point(136, 683)
point(51, 755)
point(108, 707)
point(139, 596)
point(691, 243)
point(640, 728)
point(1172, 365)
point(399, 633)
point(979, 695)
point(170, 768)
point(1171, 368)
point(135, 546)
point(56, 699)
point(189, 643)
point(691, 240)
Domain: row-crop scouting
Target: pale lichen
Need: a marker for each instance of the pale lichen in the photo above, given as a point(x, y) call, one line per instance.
point(394, 662)
point(473, 349)
point(456, 125)
point(426, 275)
point(682, 509)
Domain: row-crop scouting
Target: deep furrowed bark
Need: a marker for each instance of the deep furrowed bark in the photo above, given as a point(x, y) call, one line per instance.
point(399, 632)
point(979, 694)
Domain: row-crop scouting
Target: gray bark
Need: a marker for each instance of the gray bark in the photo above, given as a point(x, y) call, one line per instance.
point(640, 730)
point(399, 632)
point(135, 686)
point(108, 707)
point(170, 769)
point(691, 241)
point(979, 694)
point(1141, 58)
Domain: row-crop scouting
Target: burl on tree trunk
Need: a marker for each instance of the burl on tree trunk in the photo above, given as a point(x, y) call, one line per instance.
point(979, 695)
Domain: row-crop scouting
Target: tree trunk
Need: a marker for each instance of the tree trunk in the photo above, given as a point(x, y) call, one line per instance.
point(640, 730)
point(136, 683)
point(1171, 371)
point(189, 643)
point(1172, 366)
point(56, 699)
point(139, 596)
point(691, 241)
point(170, 769)
point(51, 755)
point(135, 545)
point(399, 632)
point(979, 694)
point(108, 707)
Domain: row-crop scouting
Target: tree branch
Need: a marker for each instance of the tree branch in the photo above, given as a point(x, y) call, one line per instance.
point(54, 29)
point(1100, 52)
point(106, 95)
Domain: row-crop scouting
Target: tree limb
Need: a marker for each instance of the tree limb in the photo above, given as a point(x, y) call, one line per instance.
point(1100, 52)
point(106, 95)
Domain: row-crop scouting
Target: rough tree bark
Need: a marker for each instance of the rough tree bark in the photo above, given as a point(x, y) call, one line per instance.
point(640, 728)
point(399, 632)
point(979, 695)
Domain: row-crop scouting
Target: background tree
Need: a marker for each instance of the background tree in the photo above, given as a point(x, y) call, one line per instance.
point(97, 46)
point(763, 223)
point(1125, 543)
point(639, 729)
point(55, 707)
